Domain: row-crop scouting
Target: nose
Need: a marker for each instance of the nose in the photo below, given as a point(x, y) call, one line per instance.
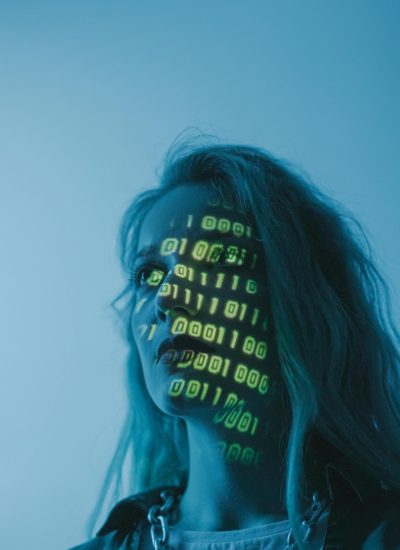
point(174, 297)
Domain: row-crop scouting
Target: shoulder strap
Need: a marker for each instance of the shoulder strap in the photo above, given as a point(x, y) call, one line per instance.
point(130, 511)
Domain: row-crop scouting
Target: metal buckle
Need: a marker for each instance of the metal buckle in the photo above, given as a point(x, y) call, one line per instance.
point(314, 513)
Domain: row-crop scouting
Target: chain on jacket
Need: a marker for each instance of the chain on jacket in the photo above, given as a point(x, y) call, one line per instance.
point(158, 518)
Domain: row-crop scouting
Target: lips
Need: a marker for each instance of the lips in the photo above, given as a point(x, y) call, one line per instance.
point(180, 343)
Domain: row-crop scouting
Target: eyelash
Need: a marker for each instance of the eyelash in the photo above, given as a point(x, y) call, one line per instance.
point(136, 271)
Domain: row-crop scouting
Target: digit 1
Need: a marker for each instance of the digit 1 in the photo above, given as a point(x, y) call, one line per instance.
point(182, 247)
point(151, 332)
point(204, 391)
point(227, 363)
point(235, 282)
point(218, 392)
point(234, 338)
point(220, 280)
point(255, 316)
point(254, 426)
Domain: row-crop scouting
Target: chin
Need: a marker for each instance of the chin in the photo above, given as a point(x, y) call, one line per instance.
point(181, 404)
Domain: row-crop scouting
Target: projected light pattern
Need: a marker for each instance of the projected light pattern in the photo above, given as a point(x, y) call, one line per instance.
point(213, 270)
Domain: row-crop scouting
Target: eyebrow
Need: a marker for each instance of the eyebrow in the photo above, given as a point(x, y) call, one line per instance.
point(213, 235)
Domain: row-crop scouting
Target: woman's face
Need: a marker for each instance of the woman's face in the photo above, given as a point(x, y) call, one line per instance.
point(201, 315)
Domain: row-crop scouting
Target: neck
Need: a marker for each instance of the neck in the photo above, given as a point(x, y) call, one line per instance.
point(224, 493)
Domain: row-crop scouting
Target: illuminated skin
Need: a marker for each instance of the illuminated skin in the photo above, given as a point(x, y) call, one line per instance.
point(203, 276)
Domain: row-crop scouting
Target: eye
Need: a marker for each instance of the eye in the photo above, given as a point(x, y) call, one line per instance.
point(220, 257)
point(228, 256)
point(146, 274)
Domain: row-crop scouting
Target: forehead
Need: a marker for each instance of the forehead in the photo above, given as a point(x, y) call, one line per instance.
point(185, 210)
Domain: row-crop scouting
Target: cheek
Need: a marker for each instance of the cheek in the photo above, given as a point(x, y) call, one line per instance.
point(242, 301)
point(144, 326)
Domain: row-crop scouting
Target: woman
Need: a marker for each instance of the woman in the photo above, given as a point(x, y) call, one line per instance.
point(263, 372)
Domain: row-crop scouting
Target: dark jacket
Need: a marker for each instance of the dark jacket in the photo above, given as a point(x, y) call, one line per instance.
point(363, 515)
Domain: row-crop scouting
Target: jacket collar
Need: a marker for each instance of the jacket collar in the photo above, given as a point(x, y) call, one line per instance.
point(344, 482)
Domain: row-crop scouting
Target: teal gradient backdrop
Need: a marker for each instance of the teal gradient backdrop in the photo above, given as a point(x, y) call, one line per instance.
point(92, 93)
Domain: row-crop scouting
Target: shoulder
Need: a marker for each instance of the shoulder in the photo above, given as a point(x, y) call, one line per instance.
point(105, 542)
point(125, 519)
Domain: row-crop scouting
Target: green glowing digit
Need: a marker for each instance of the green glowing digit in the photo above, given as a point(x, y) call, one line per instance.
point(233, 254)
point(253, 261)
point(264, 384)
point(223, 225)
point(247, 455)
point(234, 338)
point(235, 282)
point(255, 316)
point(231, 399)
point(233, 452)
point(238, 229)
point(182, 248)
point(181, 270)
point(215, 364)
point(233, 417)
point(179, 326)
point(249, 345)
point(151, 332)
point(222, 413)
point(240, 373)
point(155, 277)
point(195, 328)
point(231, 309)
point(176, 387)
point(187, 359)
point(243, 309)
point(251, 286)
point(255, 424)
point(139, 305)
point(217, 395)
point(200, 361)
point(253, 378)
point(209, 332)
point(204, 392)
point(193, 388)
point(261, 350)
point(244, 422)
point(208, 222)
point(200, 250)
point(227, 363)
point(188, 294)
point(214, 252)
point(221, 334)
point(165, 289)
point(200, 298)
point(220, 280)
point(168, 246)
point(213, 305)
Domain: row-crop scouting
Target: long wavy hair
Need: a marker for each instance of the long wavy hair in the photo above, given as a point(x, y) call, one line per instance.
point(337, 343)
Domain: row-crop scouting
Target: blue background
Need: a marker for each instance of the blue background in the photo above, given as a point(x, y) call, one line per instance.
point(92, 93)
